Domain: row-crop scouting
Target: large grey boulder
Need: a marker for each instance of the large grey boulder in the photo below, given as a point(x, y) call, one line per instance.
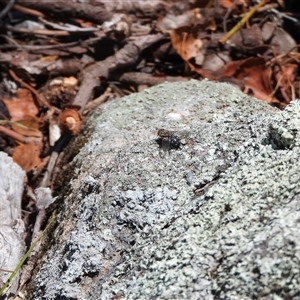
point(218, 218)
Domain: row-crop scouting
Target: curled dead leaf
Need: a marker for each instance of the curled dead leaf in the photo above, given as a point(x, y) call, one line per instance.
point(27, 156)
point(28, 127)
point(21, 105)
point(186, 43)
point(254, 75)
point(69, 121)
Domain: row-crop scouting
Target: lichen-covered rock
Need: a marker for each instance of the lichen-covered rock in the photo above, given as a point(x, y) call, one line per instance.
point(217, 218)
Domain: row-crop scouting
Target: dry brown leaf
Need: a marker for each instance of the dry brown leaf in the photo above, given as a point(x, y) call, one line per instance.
point(28, 127)
point(215, 61)
point(230, 3)
point(27, 156)
point(186, 43)
point(225, 3)
point(190, 48)
point(280, 39)
point(171, 21)
point(21, 105)
point(49, 58)
point(254, 75)
point(285, 78)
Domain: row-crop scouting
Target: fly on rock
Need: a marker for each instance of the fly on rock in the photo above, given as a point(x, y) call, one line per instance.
point(167, 140)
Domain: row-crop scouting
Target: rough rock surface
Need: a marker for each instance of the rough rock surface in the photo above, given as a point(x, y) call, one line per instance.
point(12, 246)
point(218, 218)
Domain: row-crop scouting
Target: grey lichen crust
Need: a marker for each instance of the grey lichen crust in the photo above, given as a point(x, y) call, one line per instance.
point(216, 219)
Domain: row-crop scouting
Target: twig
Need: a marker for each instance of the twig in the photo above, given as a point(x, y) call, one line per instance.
point(26, 10)
point(229, 10)
point(96, 102)
point(19, 265)
point(148, 79)
point(68, 27)
point(281, 56)
point(127, 56)
point(10, 40)
point(38, 31)
point(7, 8)
point(43, 199)
point(271, 6)
point(117, 90)
point(17, 136)
point(53, 158)
point(48, 47)
point(4, 270)
point(31, 261)
point(90, 12)
point(39, 99)
point(242, 22)
point(40, 168)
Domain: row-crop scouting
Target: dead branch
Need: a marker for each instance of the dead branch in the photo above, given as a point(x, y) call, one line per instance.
point(17, 136)
point(25, 10)
point(95, 12)
point(38, 31)
point(138, 78)
point(43, 199)
point(59, 145)
point(15, 45)
point(127, 56)
point(68, 27)
point(38, 97)
point(147, 9)
point(96, 102)
point(7, 8)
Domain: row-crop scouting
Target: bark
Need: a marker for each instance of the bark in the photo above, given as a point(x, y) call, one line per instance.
point(136, 78)
point(125, 57)
point(95, 12)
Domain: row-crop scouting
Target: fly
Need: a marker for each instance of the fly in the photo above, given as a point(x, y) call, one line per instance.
point(167, 140)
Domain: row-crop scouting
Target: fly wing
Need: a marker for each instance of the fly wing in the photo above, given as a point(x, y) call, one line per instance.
point(164, 147)
point(182, 134)
point(165, 144)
